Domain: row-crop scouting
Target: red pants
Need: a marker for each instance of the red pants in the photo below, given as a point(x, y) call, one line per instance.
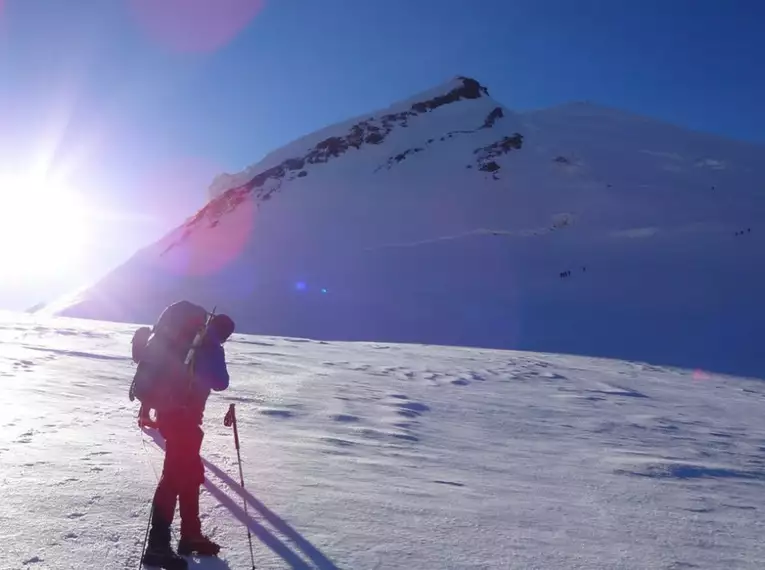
point(182, 475)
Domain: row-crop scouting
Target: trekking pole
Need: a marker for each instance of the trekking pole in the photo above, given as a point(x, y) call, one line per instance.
point(146, 537)
point(228, 421)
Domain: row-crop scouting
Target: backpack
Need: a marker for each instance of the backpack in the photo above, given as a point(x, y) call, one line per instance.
point(139, 342)
point(165, 354)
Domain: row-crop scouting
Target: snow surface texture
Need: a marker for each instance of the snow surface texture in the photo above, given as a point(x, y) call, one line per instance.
point(370, 456)
point(449, 219)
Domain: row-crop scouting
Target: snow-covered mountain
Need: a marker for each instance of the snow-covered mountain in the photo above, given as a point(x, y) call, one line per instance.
point(450, 219)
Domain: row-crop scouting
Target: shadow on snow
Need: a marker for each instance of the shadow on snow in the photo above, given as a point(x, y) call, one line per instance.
point(319, 561)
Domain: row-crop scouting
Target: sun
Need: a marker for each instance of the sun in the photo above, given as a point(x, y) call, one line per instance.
point(43, 228)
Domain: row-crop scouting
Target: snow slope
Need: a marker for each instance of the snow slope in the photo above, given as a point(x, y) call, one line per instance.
point(449, 219)
point(367, 456)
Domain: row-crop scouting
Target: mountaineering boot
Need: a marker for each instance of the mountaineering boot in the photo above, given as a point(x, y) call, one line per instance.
point(192, 539)
point(200, 545)
point(162, 556)
point(159, 553)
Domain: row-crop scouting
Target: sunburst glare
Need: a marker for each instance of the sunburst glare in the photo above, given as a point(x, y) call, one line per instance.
point(44, 228)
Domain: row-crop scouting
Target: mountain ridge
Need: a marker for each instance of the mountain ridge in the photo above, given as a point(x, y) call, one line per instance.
point(448, 92)
point(233, 190)
point(604, 109)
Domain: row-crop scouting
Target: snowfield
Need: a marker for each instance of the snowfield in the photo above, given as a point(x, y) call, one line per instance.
point(365, 456)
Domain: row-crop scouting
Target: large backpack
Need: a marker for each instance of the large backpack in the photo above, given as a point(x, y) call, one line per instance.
point(165, 355)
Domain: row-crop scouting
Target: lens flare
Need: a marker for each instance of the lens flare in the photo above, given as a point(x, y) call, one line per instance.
point(194, 25)
point(210, 241)
point(699, 375)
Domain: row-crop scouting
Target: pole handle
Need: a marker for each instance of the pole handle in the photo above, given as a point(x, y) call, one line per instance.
point(230, 417)
point(230, 420)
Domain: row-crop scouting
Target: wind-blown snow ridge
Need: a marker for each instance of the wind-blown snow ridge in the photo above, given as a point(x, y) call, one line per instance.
point(559, 222)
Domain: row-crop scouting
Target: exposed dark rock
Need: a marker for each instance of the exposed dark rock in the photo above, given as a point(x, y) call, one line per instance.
point(485, 156)
point(392, 118)
point(399, 157)
point(328, 148)
point(489, 166)
point(403, 155)
point(470, 89)
point(496, 114)
point(562, 160)
point(294, 163)
point(356, 136)
point(503, 146)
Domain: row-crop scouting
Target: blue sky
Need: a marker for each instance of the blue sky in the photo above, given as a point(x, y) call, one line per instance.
point(140, 116)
